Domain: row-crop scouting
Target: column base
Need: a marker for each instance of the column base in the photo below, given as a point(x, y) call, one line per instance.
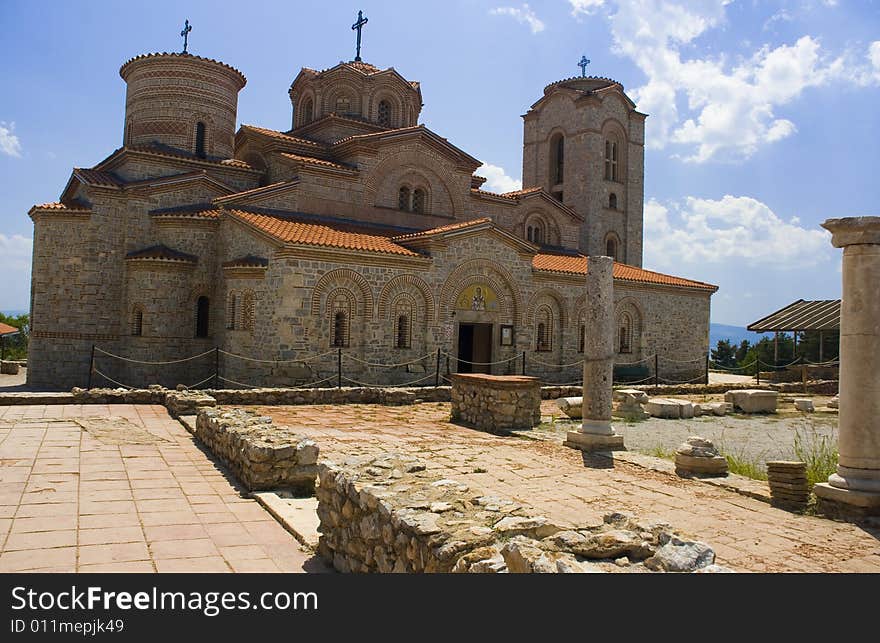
point(846, 503)
point(594, 442)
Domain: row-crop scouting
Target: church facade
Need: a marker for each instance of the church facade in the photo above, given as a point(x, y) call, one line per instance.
point(358, 235)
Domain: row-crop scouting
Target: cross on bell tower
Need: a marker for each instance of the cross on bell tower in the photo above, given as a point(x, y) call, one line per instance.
point(185, 33)
point(583, 65)
point(361, 21)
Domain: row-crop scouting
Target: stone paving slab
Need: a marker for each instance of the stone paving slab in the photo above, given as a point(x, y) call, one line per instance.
point(118, 488)
point(570, 487)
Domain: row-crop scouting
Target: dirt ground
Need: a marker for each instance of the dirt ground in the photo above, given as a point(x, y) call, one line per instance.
point(753, 438)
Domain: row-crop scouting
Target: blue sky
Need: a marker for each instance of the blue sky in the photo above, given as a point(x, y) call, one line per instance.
point(762, 114)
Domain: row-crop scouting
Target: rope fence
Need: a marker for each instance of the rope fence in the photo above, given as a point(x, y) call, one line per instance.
point(340, 367)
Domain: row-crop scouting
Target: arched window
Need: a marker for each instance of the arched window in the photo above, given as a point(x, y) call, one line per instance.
point(200, 140)
point(403, 333)
point(384, 113)
point(307, 111)
point(231, 311)
point(403, 199)
point(612, 201)
point(247, 311)
point(418, 201)
point(202, 311)
point(340, 332)
point(137, 321)
point(611, 248)
point(544, 329)
point(611, 154)
point(343, 105)
point(557, 159)
point(412, 116)
point(624, 336)
point(530, 233)
point(536, 231)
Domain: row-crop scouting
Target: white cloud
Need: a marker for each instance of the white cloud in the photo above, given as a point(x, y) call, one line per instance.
point(585, 7)
point(9, 143)
point(523, 15)
point(732, 231)
point(15, 265)
point(497, 179)
point(716, 108)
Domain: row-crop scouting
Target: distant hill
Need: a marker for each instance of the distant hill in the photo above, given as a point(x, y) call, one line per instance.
point(734, 334)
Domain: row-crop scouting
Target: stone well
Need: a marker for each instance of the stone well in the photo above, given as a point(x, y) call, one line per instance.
point(496, 403)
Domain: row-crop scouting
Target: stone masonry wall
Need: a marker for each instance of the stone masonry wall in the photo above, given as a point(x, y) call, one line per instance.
point(496, 403)
point(262, 455)
point(390, 514)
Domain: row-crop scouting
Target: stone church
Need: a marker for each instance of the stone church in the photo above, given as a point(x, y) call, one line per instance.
point(358, 234)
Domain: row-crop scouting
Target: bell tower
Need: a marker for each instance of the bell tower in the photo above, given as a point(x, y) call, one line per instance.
point(583, 142)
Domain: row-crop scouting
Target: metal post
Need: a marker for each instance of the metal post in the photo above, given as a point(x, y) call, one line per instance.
point(656, 370)
point(216, 367)
point(821, 341)
point(524, 363)
point(804, 376)
point(91, 367)
point(757, 371)
point(339, 369)
point(707, 368)
point(437, 372)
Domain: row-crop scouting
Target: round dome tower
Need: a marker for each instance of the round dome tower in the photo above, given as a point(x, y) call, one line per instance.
point(183, 101)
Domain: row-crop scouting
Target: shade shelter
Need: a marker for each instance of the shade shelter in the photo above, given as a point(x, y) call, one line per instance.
point(6, 331)
point(818, 316)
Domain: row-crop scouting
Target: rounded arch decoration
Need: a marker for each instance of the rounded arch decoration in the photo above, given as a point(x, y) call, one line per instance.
point(411, 285)
point(345, 279)
point(481, 272)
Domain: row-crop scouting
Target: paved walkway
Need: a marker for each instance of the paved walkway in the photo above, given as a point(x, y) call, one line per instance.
point(567, 487)
point(81, 493)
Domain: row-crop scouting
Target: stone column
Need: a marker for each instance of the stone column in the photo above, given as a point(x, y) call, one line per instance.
point(855, 488)
point(596, 433)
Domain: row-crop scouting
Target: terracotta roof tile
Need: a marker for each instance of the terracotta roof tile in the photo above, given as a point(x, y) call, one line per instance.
point(76, 207)
point(235, 196)
point(198, 210)
point(522, 192)
point(283, 136)
point(301, 230)
point(246, 262)
point(163, 150)
point(6, 329)
point(315, 161)
point(183, 56)
point(446, 228)
point(162, 253)
point(494, 194)
point(98, 178)
point(577, 265)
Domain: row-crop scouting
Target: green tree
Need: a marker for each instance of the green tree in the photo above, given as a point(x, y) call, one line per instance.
point(15, 347)
point(723, 354)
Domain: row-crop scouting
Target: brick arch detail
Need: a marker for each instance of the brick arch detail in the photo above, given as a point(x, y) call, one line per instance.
point(535, 301)
point(406, 283)
point(342, 278)
point(481, 270)
point(412, 161)
point(633, 307)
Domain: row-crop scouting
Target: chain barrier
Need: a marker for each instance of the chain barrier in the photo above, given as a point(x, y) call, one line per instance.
point(137, 361)
point(110, 379)
point(275, 361)
point(379, 364)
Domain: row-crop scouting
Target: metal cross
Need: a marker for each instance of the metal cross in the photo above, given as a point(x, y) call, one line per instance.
point(361, 21)
point(583, 65)
point(185, 33)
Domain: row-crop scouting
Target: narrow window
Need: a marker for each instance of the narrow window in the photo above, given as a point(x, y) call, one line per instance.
point(340, 329)
point(612, 201)
point(202, 310)
point(307, 110)
point(247, 311)
point(557, 157)
point(530, 233)
point(582, 332)
point(137, 322)
point(542, 337)
point(611, 248)
point(384, 113)
point(418, 201)
point(610, 160)
point(544, 330)
point(403, 332)
point(539, 234)
point(625, 334)
point(231, 311)
point(403, 199)
point(343, 105)
point(200, 140)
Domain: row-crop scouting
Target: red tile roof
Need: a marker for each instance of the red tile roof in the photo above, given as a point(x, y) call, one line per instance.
point(494, 194)
point(122, 70)
point(330, 234)
point(577, 265)
point(249, 261)
point(62, 207)
point(98, 178)
point(162, 150)
point(446, 228)
point(198, 211)
point(522, 192)
point(235, 196)
point(283, 136)
point(314, 161)
point(163, 253)
point(6, 329)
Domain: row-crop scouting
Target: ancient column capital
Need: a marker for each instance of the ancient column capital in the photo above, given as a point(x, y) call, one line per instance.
point(851, 231)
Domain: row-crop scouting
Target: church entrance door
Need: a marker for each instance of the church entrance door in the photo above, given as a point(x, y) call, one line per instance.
point(474, 345)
